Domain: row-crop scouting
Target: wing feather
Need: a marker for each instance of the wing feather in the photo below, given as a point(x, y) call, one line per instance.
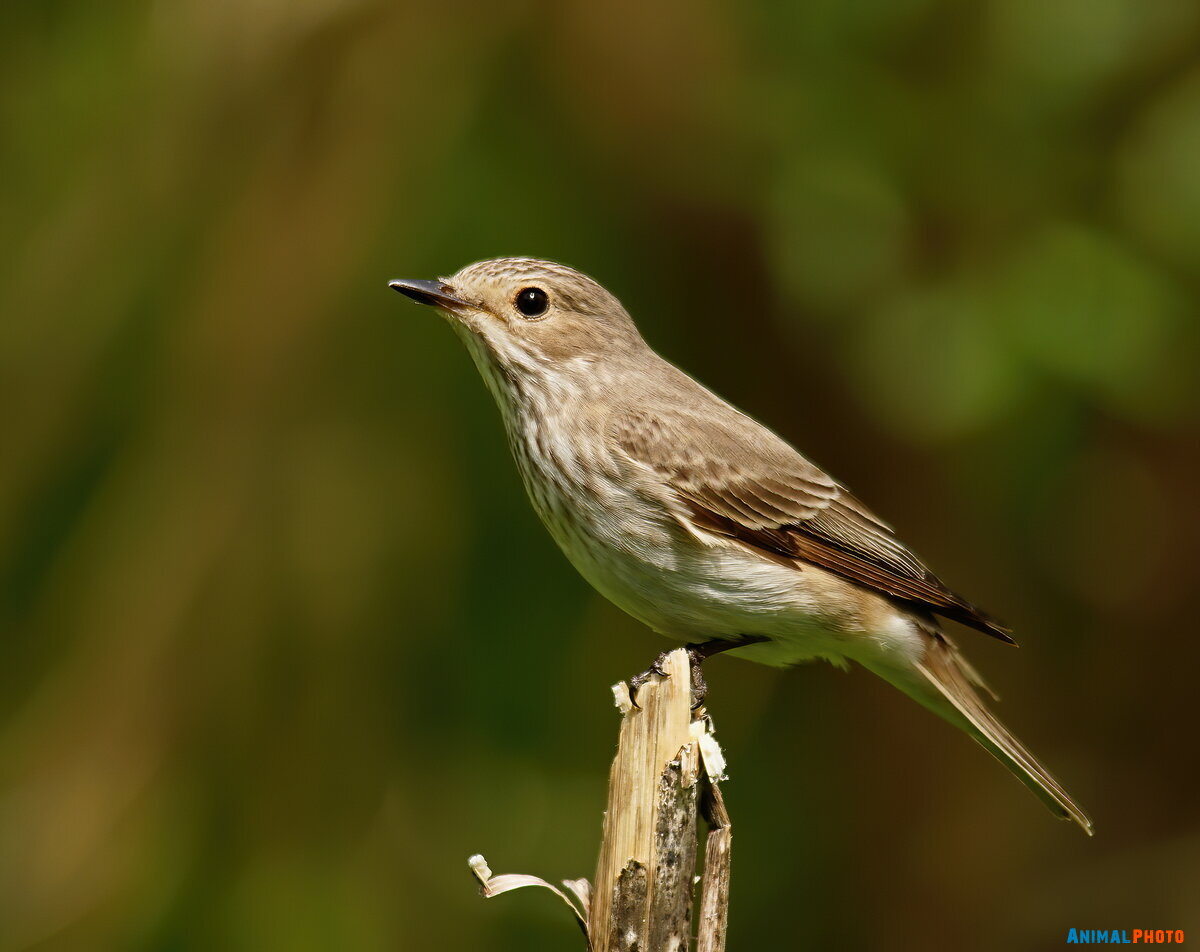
point(739, 480)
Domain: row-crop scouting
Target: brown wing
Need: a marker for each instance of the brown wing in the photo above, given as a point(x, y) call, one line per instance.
point(739, 480)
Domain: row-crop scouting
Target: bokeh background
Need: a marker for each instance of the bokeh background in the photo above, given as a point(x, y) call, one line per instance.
point(282, 642)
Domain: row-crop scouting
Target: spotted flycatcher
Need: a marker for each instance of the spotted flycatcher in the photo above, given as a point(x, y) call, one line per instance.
point(694, 518)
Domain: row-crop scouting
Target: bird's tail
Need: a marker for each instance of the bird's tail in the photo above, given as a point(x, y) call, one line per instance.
point(946, 684)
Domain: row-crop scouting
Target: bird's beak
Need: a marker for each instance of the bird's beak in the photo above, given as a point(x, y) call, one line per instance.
point(430, 292)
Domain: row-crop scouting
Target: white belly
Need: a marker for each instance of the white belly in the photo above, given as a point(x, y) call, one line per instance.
point(694, 592)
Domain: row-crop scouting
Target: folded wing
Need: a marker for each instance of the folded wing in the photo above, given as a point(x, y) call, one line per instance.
point(737, 479)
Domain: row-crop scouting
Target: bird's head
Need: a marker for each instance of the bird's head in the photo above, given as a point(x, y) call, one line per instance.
point(529, 315)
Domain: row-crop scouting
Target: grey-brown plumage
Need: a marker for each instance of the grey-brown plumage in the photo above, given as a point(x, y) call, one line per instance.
point(775, 500)
point(693, 517)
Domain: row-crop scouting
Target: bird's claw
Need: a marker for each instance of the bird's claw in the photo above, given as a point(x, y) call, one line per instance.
point(696, 658)
point(636, 682)
point(697, 654)
point(699, 685)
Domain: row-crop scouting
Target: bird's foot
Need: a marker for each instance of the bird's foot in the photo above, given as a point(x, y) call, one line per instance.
point(696, 658)
point(697, 654)
point(655, 669)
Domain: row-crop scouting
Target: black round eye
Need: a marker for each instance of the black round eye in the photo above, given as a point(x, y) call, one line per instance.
point(532, 302)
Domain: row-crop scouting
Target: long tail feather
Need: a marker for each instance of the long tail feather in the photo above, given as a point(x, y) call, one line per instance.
point(947, 686)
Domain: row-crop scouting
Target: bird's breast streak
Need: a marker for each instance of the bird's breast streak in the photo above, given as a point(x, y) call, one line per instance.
point(672, 585)
point(633, 552)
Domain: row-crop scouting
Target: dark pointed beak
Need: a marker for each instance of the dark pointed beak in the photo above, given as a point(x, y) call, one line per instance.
point(429, 292)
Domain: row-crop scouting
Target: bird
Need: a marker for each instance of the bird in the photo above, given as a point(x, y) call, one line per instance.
point(698, 520)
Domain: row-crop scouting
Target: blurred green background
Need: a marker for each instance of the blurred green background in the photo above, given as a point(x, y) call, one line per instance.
point(282, 640)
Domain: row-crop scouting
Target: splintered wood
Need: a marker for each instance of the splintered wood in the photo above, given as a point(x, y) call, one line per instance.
point(647, 860)
point(667, 765)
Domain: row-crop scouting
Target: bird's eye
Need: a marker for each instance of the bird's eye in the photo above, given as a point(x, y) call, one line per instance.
point(532, 302)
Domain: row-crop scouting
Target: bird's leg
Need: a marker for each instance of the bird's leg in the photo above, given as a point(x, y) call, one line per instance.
point(698, 653)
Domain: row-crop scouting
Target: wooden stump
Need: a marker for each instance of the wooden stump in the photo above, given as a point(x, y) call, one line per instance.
point(667, 765)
